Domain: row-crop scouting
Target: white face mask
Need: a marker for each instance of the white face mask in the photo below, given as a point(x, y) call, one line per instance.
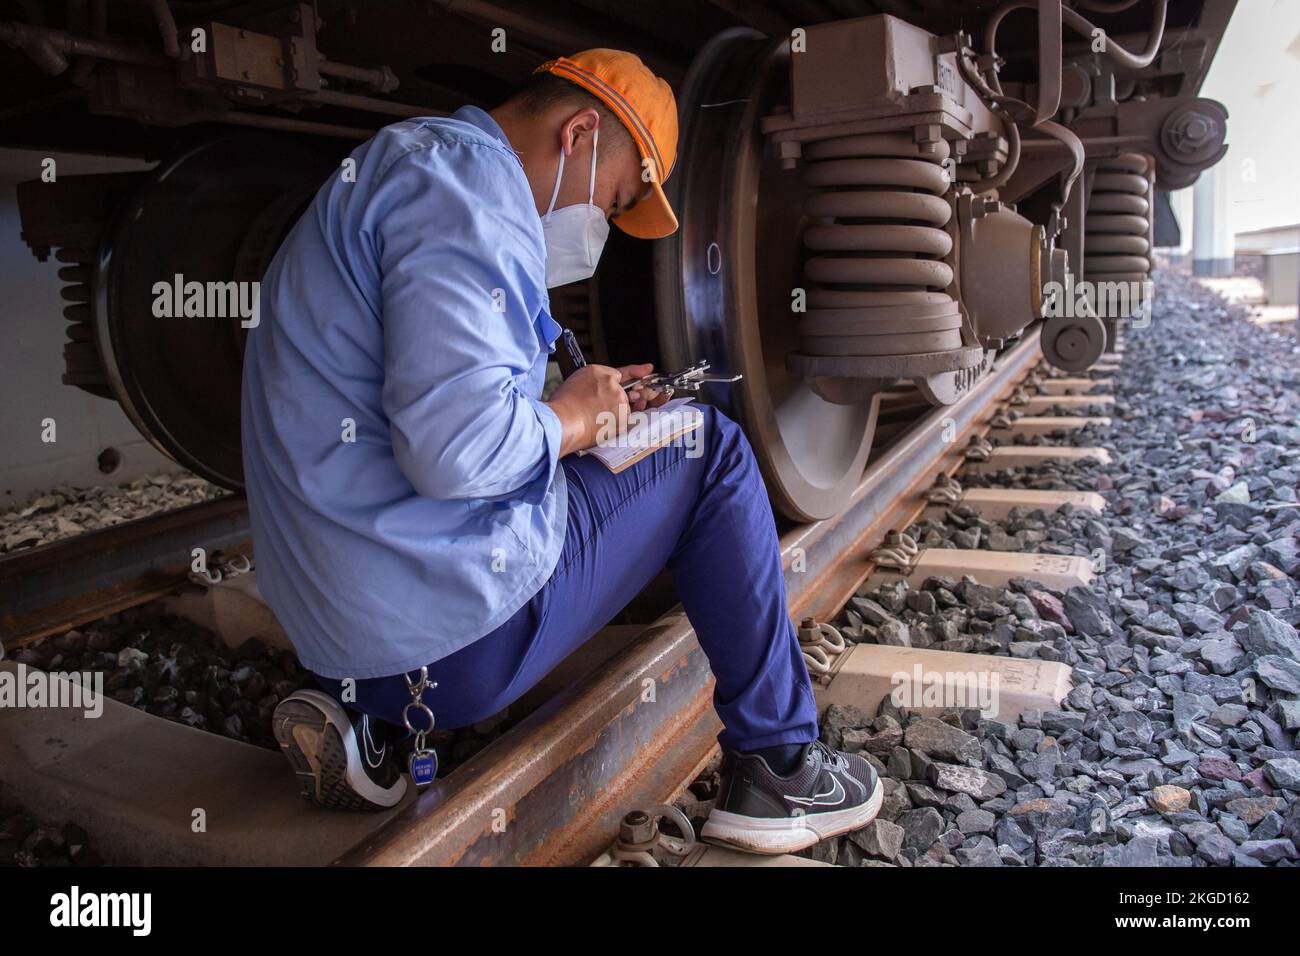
point(575, 234)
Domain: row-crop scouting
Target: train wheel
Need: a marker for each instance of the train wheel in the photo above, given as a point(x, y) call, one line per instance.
point(724, 281)
point(215, 213)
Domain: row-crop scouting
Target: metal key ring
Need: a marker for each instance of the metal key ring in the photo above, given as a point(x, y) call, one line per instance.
point(417, 705)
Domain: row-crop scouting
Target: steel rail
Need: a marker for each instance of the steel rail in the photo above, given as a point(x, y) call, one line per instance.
point(64, 584)
point(631, 733)
point(552, 791)
point(892, 493)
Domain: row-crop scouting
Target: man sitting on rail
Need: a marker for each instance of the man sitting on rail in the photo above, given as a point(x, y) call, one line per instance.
point(418, 509)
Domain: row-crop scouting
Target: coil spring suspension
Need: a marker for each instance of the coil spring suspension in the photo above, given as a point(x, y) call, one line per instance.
point(81, 361)
point(876, 272)
point(1119, 229)
point(1117, 241)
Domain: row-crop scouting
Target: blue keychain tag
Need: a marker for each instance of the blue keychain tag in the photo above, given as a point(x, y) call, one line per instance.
point(423, 767)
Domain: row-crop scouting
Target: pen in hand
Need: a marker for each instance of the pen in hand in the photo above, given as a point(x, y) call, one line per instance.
point(579, 360)
point(575, 350)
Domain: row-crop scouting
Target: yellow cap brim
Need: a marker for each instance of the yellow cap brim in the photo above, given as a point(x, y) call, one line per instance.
point(651, 218)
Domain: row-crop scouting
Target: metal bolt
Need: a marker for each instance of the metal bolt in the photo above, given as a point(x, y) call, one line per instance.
point(1189, 131)
point(927, 137)
point(788, 151)
point(636, 827)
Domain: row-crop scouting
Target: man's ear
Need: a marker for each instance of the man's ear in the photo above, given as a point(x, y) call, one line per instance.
point(582, 122)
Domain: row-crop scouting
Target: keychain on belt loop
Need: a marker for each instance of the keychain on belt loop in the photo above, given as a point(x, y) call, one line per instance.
point(423, 764)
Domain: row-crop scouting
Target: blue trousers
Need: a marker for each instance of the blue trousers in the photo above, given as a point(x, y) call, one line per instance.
point(704, 515)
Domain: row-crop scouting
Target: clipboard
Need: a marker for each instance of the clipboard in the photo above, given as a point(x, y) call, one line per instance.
point(658, 428)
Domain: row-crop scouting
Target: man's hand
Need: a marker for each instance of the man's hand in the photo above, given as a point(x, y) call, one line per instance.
point(642, 397)
point(582, 400)
point(591, 393)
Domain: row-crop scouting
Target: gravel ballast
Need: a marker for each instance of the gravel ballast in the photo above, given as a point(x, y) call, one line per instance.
point(1176, 746)
point(27, 841)
point(174, 668)
point(67, 511)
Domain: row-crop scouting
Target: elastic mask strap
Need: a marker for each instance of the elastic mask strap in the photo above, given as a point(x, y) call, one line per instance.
point(595, 143)
point(559, 178)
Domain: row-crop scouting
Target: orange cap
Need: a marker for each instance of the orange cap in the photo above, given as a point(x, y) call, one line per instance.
point(646, 106)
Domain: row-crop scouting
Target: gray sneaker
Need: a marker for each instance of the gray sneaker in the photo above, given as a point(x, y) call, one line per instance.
point(337, 759)
point(757, 810)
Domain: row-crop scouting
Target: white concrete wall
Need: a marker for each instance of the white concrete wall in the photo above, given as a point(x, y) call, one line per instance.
point(31, 350)
point(1212, 245)
point(1282, 278)
point(1256, 75)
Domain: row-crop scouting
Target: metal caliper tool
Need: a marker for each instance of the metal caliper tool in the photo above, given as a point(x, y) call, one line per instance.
point(688, 380)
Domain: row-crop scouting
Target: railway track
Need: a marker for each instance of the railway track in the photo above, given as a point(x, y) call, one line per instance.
point(61, 585)
point(574, 769)
point(858, 235)
point(628, 723)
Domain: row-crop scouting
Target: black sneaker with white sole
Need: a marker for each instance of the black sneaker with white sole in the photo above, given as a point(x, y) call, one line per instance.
point(337, 758)
point(757, 810)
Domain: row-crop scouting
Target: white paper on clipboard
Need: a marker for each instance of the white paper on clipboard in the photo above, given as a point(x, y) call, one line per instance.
point(648, 430)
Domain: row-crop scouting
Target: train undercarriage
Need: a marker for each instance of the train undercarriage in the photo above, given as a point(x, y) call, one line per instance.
point(876, 196)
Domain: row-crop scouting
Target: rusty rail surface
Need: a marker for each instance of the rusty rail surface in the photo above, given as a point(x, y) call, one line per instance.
point(552, 791)
point(64, 584)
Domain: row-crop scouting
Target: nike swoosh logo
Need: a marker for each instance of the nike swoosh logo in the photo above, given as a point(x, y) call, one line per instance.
point(370, 748)
point(832, 797)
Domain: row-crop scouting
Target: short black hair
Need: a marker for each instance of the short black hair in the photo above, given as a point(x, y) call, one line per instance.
point(541, 91)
